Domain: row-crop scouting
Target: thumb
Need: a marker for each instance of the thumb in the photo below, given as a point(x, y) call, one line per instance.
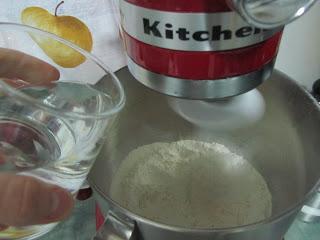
point(27, 201)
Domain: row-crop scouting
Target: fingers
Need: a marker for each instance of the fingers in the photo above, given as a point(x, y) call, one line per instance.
point(14, 64)
point(28, 201)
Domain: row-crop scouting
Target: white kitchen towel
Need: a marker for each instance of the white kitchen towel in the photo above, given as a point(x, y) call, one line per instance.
point(98, 15)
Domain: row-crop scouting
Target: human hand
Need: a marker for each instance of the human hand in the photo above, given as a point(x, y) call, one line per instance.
point(25, 200)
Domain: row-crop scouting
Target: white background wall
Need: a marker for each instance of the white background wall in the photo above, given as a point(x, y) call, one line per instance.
point(299, 54)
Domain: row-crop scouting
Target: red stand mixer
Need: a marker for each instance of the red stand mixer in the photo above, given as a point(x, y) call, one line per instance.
point(204, 49)
point(207, 50)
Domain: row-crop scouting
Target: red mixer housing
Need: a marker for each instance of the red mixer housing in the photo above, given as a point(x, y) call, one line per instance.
point(195, 49)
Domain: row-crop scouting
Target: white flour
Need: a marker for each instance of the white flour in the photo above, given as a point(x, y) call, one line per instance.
point(191, 184)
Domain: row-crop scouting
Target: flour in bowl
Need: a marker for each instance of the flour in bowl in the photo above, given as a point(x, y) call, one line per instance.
point(191, 184)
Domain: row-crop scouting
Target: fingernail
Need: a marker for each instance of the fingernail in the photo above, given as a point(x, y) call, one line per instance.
point(62, 204)
point(55, 202)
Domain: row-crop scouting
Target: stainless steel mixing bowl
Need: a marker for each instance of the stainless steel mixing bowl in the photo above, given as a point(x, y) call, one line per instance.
point(282, 146)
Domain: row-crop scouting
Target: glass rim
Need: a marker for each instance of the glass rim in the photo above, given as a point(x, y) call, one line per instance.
point(14, 92)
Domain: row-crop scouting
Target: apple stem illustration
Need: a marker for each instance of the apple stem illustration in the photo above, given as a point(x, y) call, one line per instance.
point(56, 10)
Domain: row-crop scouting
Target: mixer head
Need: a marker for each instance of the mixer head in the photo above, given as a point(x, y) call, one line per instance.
point(204, 49)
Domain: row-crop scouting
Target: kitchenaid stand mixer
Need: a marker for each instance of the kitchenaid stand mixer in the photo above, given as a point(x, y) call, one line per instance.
point(204, 49)
point(207, 50)
point(208, 56)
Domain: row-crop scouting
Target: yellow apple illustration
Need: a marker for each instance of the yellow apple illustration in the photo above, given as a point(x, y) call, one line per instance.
point(67, 27)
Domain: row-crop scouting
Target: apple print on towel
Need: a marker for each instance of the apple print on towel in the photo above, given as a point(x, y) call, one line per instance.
point(66, 27)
